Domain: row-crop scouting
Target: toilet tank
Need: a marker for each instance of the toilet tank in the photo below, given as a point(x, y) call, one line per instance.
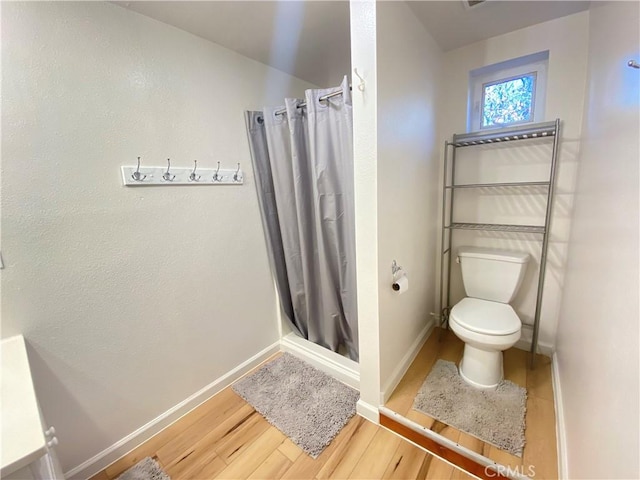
point(491, 274)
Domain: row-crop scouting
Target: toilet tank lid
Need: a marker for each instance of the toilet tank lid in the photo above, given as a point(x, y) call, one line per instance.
point(493, 254)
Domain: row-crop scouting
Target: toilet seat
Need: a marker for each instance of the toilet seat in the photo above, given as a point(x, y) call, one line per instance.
point(486, 317)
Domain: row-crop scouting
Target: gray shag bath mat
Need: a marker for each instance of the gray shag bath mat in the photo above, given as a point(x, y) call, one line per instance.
point(302, 402)
point(493, 416)
point(145, 469)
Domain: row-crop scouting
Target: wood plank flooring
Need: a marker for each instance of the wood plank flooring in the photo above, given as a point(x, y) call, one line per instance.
point(226, 438)
point(540, 450)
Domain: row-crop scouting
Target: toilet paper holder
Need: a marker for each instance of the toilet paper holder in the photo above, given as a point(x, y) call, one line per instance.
point(400, 282)
point(395, 268)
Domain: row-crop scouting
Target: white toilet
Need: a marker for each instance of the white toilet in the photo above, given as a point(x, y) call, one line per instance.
point(484, 320)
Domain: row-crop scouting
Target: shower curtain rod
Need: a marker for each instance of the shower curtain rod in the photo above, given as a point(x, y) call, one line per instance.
point(321, 99)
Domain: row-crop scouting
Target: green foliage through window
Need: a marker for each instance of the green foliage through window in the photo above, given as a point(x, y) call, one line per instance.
point(508, 101)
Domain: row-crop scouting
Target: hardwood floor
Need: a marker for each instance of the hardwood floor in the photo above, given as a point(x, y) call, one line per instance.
point(540, 450)
point(226, 438)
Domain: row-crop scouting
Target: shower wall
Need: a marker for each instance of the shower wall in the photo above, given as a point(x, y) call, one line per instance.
point(131, 300)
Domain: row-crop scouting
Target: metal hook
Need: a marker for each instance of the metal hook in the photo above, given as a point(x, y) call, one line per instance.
point(136, 175)
point(633, 64)
point(166, 176)
point(192, 176)
point(216, 177)
point(361, 84)
point(236, 176)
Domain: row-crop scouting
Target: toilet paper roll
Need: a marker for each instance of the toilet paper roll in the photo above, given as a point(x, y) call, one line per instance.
point(401, 283)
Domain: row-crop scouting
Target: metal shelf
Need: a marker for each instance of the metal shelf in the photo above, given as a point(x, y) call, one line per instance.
point(510, 184)
point(497, 227)
point(536, 130)
point(527, 132)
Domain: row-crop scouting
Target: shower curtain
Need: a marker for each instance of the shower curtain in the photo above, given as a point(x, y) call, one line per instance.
point(303, 166)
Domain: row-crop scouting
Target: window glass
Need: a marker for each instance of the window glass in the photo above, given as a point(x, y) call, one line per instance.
point(508, 101)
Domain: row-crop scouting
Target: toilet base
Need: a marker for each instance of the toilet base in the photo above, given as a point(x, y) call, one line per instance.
point(481, 368)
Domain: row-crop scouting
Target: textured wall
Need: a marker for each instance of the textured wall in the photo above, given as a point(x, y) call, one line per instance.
point(598, 333)
point(409, 69)
point(131, 299)
point(566, 39)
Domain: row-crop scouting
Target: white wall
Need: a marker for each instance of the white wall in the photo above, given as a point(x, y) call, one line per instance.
point(598, 334)
point(566, 39)
point(131, 299)
point(409, 69)
point(363, 57)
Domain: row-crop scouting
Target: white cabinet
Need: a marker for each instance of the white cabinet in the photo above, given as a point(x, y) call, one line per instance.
point(27, 449)
point(43, 468)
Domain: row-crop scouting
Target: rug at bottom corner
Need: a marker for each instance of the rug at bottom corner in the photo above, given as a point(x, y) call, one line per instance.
point(305, 404)
point(145, 469)
point(494, 416)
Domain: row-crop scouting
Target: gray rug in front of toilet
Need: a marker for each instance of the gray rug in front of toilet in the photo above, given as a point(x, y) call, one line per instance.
point(493, 416)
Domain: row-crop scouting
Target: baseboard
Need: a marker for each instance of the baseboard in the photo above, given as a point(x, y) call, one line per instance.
point(331, 363)
point(368, 411)
point(561, 433)
point(406, 362)
point(122, 447)
point(543, 348)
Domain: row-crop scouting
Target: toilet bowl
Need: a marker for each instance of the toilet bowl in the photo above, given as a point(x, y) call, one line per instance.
point(487, 329)
point(484, 320)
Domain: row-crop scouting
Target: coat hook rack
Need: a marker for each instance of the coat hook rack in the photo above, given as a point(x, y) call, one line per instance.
point(137, 175)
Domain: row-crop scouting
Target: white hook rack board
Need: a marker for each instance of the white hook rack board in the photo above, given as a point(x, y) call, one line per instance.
point(153, 176)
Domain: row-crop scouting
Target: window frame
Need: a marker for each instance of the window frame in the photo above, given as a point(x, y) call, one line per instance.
point(535, 64)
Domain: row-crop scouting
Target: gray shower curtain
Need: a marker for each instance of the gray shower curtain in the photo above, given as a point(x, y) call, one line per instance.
point(303, 165)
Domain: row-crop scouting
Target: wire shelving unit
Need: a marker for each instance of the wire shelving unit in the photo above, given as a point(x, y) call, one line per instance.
point(532, 131)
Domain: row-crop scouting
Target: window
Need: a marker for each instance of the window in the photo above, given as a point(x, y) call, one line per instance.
point(508, 93)
point(508, 101)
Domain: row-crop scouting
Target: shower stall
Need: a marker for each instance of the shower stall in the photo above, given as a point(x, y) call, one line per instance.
point(302, 156)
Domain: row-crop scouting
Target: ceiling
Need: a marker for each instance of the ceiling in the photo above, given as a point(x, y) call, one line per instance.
point(452, 25)
point(311, 39)
point(308, 39)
